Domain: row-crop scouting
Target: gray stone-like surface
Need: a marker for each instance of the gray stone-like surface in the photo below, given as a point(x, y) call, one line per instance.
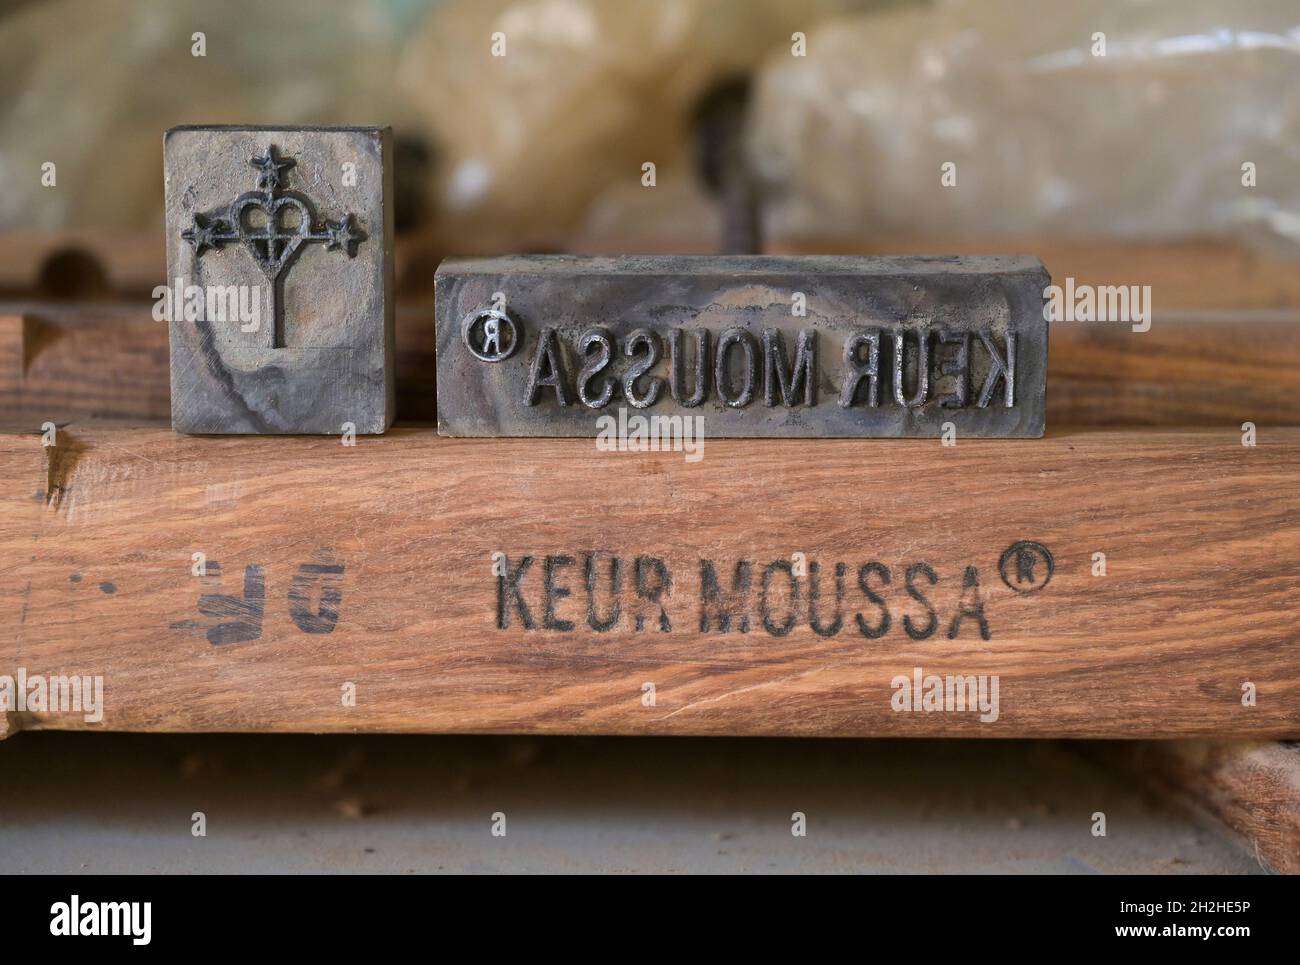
point(919, 297)
point(82, 803)
point(322, 353)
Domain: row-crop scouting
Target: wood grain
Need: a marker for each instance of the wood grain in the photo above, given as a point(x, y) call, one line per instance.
point(62, 362)
point(1197, 275)
point(1188, 274)
point(80, 263)
point(1190, 369)
point(1201, 536)
point(108, 360)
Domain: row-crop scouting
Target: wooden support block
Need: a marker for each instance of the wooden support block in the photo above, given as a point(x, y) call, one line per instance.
point(279, 255)
point(1223, 349)
point(109, 360)
point(1183, 275)
point(1191, 368)
point(12, 358)
point(60, 362)
point(373, 588)
point(79, 263)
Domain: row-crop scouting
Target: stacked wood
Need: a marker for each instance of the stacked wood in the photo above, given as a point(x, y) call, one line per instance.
point(1116, 583)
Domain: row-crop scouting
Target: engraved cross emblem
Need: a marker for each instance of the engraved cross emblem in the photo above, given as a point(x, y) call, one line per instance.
point(273, 224)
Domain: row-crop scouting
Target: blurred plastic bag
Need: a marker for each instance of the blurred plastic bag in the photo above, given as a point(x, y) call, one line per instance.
point(91, 85)
point(1120, 118)
point(539, 107)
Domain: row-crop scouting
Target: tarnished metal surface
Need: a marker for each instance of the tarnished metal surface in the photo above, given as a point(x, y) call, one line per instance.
point(759, 346)
point(279, 287)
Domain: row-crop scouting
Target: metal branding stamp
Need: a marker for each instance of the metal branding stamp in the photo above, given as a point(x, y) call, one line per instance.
point(761, 346)
point(282, 317)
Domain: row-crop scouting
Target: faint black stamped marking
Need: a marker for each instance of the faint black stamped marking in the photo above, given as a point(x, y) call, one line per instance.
point(322, 582)
point(315, 596)
point(743, 596)
point(1027, 566)
point(229, 618)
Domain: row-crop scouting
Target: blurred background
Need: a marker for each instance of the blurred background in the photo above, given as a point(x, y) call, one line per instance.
point(524, 124)
point(1124, 142)
point(1151, 142)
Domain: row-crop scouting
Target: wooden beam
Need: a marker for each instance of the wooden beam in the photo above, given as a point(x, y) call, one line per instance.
point(109, 360)
point(1183, 275)
point(62, 362)
point(1196, 275)
point(333, 570)
point(80, 263)
point(88, 263)
point(1190, 369)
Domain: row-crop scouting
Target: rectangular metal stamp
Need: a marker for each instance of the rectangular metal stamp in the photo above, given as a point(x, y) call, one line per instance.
point(800, 347)
point(280, 279)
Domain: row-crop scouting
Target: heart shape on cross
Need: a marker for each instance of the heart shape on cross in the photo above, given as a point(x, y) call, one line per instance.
point(275, 242)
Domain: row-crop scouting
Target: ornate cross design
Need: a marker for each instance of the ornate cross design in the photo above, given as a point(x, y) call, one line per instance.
point(276, 238)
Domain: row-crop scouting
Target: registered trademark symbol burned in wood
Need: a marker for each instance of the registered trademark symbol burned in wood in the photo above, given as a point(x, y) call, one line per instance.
point(1027, 566)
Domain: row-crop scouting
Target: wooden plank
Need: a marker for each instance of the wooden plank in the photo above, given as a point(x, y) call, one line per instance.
point(1223, 348)
point(1191, 368)
point(109, 360)
point(373, 566)
point(80, 263)
point(62, 362)
point(1183, 275)
point(88, 264)
point(1198, 275)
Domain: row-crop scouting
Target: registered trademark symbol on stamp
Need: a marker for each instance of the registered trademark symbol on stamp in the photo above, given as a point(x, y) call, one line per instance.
point(490, 335)
point(1027, 566)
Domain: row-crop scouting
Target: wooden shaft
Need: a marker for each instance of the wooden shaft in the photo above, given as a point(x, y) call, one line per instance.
point(331, 567)
point(61, 362)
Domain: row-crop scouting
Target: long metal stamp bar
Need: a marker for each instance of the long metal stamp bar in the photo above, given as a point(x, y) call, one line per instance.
point(757, 346)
